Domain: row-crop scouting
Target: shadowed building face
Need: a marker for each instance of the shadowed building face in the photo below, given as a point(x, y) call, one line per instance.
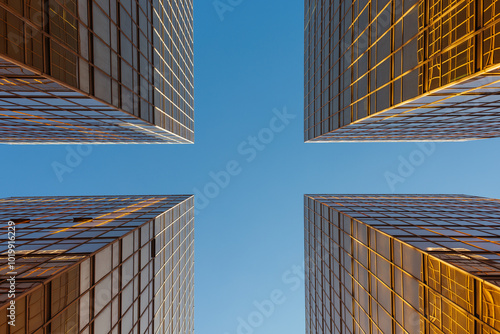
point(402, 264)
point(404, 70)
point(96, 71)
point(99, 264)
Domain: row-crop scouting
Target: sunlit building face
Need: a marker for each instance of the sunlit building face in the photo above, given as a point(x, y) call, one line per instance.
point(408, 70)
point(402, 264)
point(104, 264)
point(96, 71)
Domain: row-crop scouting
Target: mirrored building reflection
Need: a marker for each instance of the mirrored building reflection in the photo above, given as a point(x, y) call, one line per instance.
point(96, 71)
point(402, 70)
point(402, 264)
point(103, 264)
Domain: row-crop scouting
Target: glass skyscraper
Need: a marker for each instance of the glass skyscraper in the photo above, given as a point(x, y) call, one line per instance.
point(96, 71)
point(103, 264)
point(390, 70)
point(402, 264)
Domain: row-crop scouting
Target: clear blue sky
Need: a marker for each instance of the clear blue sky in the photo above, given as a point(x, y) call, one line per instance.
point(251, 233)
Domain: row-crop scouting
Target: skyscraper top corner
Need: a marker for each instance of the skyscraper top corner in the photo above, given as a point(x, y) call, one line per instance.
point(402, 263)
point(401, 70)
point(93, 71)
point(90, 263)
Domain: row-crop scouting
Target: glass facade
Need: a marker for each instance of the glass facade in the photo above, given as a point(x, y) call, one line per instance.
point(104, 264)
point(409, 70)
point(96, 71)
point(402, 264)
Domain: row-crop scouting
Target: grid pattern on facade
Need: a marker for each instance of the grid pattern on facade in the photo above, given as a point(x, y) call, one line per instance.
point(103, 71)
point(389, 70)
point(108, 263)
point(402, 264)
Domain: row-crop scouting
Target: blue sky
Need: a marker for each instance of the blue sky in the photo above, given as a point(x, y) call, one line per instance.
point(249, 236)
